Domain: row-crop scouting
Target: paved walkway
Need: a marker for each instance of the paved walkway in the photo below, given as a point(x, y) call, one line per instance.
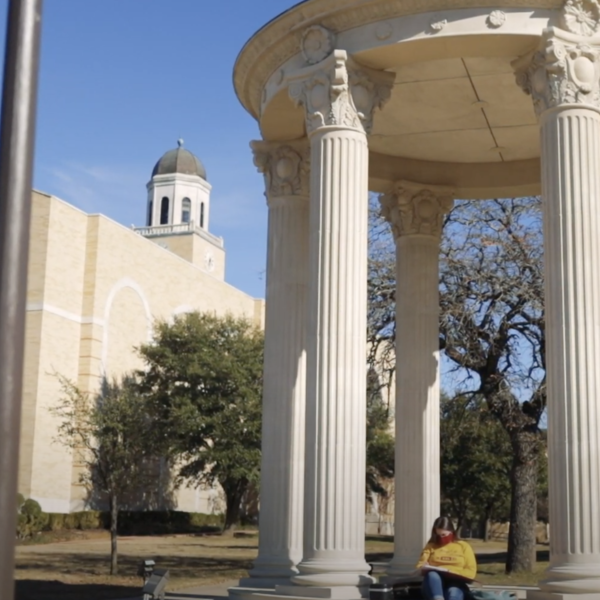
point(219, 592)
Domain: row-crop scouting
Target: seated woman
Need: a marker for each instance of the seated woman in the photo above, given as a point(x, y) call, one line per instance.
point(447, 563)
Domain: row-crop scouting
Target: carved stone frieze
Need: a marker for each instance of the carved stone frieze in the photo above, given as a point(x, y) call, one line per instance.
point(416, 209)
point(340, 93)
point(279, 42)
point(564, 71)
point(285, 166)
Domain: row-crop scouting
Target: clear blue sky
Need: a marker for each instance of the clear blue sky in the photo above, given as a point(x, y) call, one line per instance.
point(122, 80)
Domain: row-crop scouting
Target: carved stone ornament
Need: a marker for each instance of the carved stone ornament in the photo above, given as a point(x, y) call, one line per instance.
point(339, 93)
point(317, 44)
point(414, 209)
point(438, 24)
point(565, 71)
point(581, 17)
point(286, 167)
point(384, 30)
point(496, 19)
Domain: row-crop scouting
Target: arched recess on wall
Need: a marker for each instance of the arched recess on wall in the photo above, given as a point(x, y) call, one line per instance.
point(122, 284)
point(186, 210)
point(164, 211)
point(181, 310)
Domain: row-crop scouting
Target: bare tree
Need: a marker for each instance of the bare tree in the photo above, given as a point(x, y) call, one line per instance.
point(491, 331)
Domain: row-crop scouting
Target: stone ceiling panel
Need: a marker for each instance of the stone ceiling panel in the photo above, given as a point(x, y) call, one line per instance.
point(451, 68)
point(467, 145)
point(430, 106)
point(507, 105)
point(518, 143)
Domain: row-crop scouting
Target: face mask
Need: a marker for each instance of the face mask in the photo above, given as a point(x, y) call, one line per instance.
point(446, 539)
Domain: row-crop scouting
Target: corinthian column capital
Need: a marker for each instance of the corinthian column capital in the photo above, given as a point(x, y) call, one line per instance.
point(565, 70)
point(285, 166)
point(338, 93)
point(416, 209)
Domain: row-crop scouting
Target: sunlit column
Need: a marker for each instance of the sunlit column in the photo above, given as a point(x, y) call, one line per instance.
point(563, 80)
point(339, 100)
point(286, 168)
point(416, 214)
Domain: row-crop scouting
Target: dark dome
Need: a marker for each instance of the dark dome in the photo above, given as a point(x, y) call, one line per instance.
point(179, 160)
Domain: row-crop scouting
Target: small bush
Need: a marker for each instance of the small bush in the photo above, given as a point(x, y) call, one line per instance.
point(31, 519)
point(167, 522)
point(90, 519)
point(56, 522)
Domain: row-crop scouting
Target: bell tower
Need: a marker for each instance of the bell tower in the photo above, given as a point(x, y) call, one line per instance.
point(178, 211)
point(178, 192)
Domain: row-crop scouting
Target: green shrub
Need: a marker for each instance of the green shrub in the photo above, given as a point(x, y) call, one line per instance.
point(31, 519)
point(70, 521)
point(166, 522)
point(56, 522)
point(89, 519)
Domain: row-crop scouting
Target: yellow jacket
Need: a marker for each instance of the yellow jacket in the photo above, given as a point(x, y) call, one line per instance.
point(457, 557)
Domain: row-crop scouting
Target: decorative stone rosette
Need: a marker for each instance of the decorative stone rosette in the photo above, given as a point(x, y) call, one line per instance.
point(286, 167)
point(339, 93)
point(564, 71)
point(581, 17)
point(317, 44)
point(415, 209)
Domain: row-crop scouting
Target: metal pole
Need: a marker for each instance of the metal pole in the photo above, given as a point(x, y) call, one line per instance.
point(17, 127)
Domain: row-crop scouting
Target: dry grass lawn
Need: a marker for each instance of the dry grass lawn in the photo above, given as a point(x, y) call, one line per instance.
point(77, 569)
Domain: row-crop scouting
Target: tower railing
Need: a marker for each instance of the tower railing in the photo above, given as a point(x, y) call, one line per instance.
point(178, 229)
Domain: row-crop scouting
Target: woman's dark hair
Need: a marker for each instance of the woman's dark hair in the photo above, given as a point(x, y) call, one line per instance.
point(444, 523)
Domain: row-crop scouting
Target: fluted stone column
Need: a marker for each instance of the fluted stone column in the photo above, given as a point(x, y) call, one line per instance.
point(286, 168)
point(339, 100)
point(563, 78)
point(416, 213)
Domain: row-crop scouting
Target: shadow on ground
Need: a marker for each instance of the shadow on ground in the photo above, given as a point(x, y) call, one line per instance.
point(176, 596)
point(500, 557)
point(94, 564)
point(482, 558)
point(27, 589)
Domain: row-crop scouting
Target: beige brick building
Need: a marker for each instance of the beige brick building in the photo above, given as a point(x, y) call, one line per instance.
point(95, 288)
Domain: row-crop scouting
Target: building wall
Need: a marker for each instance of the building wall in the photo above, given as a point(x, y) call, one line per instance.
point(94, 291)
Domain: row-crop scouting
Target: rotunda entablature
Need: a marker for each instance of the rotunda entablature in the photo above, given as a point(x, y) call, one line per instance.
point(455, 110)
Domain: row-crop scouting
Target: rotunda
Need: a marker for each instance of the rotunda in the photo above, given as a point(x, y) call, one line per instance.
point(423, 101)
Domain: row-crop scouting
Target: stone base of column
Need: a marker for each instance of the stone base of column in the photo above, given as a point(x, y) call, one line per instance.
point(297, 592)
point(402, 567)
point(250, 593)
point(263, 582)
point(273, 568)
point(343, 592)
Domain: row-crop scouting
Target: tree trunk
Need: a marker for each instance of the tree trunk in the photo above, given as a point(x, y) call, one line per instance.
point(487, 523)
point(523, 507)
point(233, 502)
point(114, 515)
